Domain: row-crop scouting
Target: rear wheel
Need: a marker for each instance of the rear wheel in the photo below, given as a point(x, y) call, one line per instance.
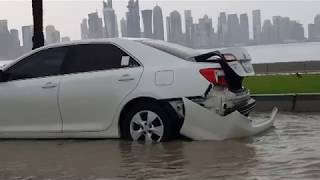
point(147, 122)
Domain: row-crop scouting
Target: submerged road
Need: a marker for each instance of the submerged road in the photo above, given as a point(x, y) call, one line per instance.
point(289, 151)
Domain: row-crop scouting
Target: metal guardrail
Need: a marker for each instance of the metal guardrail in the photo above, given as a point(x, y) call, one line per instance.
point(299, 102)
point(287, 67)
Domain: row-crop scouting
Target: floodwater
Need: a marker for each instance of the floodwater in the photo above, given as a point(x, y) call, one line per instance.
point(291, 150)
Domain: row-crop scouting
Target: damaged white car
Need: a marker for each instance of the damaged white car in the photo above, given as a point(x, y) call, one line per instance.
point(142, 90)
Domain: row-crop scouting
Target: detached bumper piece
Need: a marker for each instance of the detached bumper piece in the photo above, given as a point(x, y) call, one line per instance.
point(203, 124)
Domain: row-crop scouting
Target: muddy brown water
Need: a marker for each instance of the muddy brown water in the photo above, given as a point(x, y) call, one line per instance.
point(291, 150)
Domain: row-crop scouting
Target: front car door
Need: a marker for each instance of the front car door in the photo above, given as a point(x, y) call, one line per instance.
point(97, 78)
point(29, 91)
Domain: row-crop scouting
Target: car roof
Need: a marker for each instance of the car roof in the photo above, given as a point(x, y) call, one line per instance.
point(147, 55)
point(171, 48)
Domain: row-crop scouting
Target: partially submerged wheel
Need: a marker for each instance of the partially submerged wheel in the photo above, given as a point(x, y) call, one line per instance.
point(147, 122)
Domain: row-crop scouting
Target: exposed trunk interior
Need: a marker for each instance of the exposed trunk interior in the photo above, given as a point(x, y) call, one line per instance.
point(233, 79)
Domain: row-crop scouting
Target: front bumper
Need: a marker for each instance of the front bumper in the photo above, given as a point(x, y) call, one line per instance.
point(201, 123)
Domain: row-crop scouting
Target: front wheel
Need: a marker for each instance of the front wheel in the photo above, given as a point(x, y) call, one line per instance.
point(147, 122)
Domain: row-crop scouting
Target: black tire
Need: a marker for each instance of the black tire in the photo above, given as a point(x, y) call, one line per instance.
point(169, 122)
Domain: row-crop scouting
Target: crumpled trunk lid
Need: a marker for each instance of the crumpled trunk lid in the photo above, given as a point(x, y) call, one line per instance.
point(235, 70)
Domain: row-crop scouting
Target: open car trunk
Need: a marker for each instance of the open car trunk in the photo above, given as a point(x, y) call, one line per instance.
point(235, 62)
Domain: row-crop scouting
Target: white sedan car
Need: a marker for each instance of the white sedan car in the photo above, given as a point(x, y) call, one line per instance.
point(142, 90)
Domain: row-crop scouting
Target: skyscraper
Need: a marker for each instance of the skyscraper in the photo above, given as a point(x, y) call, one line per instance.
point(52, 35)
point(123, 25)
point(27, 33)
point(314, 29)
point(95, 26)
point(174, 28)
point(15, 37)
point(147, 23)
point(203, 33)
point(84, 29)
point(244, 27)
point(267, 33)
point(222, 29)
point(296, 31)
point(133, 19)
point(4, 26)
point(158, 29)
point(256, 24)
point(8, 45)
point(188, 24)
point(234, 36)
point(110, 20)
point(276, 26)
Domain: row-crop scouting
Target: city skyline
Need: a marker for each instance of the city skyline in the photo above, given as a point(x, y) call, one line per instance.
point(18, 12)
point(230, 29)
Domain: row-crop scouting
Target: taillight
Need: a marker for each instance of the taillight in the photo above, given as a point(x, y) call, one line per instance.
point(215, 76)
point(229, 57)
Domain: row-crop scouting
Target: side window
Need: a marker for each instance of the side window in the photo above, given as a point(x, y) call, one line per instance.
point(95, 57)
point(44, 63)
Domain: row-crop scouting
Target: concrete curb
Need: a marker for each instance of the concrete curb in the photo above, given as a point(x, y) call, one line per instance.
point(301, 102)
point(287, 67)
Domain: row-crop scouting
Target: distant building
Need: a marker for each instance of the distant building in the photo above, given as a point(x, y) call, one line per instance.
point(222, 29)
point(256, 24)
point(84, 29)
point(65, 39)
point(110, 20)
point(27, 34)
point(296, 31)
point(123, 25)
point(277, 26)
point(267, 34)
point(244, 28)
point(188, 23)
point(15, 37)
point(4, 26)
point(52, 35)
point(147, 23)
point(158, 30)
point(133, 19)
point(174, 28)
point(9, 42)
point(95, 26)
point(286, 30)
point(234, 37)
point(314, 29)
point(203, 35)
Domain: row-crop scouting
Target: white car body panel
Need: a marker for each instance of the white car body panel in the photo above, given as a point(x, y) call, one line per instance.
point(30, 105)
point(88, 101)
point(204, 124)
point(88, 105)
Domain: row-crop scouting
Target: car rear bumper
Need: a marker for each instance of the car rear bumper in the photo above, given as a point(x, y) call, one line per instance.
point(201, 123)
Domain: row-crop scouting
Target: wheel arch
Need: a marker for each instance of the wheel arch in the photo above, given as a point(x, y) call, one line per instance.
point(163, 103)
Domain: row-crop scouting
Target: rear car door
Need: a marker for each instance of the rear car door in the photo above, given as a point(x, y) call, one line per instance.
point(97, 78)
point(29, 91)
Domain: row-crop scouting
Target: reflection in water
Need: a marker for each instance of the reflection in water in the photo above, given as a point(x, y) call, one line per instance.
point(289, 151)
point(185, 159)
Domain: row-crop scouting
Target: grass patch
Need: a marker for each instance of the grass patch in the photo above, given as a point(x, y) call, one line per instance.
point(277, 84)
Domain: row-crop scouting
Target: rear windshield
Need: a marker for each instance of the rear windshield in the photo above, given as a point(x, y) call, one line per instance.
point(173, 49)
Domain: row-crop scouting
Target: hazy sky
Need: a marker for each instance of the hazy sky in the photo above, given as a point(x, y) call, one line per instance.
point(66, 15)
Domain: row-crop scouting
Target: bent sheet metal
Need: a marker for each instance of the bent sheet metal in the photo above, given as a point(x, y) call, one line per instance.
point(204, 124)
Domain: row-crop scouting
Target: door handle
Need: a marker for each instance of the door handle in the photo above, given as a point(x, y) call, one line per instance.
point(49, 85)
point(126, 77)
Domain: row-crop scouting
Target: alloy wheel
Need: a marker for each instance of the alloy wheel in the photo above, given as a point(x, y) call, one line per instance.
point(146, 126)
